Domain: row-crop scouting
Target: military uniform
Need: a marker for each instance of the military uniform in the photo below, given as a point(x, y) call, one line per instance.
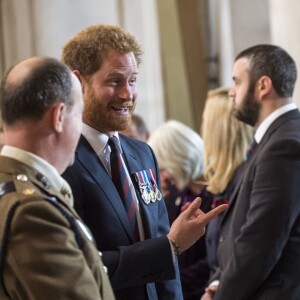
point(46, 252)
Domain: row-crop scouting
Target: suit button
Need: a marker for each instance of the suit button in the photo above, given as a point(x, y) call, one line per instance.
point(100, 253)
point(221, 239)
point(105, 269)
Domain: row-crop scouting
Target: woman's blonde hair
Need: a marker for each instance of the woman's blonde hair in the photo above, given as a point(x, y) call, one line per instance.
point(226, 140)
point(179, 150)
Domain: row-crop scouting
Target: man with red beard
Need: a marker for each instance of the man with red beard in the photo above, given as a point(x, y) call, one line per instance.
point(115, 179)
point(259, 243)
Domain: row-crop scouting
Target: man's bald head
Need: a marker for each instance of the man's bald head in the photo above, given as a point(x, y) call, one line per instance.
point(31, 87)
point(17, 73)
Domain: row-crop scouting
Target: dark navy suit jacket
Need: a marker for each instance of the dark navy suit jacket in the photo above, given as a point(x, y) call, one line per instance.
point(142, 270)
point(258, 253)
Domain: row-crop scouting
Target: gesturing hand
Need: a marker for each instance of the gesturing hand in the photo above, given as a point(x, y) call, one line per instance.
point(209, 292)
point(190, 224)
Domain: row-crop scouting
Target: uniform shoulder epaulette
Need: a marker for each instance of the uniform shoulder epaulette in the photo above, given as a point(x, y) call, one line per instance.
point(20, 185)
point(21, 190)
point(7, 187)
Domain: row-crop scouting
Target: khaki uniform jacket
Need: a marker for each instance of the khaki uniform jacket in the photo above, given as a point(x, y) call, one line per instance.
point(45, 250)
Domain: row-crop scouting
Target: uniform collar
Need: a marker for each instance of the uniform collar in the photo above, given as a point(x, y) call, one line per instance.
point(39, 164)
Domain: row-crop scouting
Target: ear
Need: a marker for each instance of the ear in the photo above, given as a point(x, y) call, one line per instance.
point(81, 79)
point(264, 86)
point(58, 116)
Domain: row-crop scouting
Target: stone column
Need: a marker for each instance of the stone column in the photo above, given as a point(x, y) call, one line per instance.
point(17, 41)
point(284, 23)
point(239, 24)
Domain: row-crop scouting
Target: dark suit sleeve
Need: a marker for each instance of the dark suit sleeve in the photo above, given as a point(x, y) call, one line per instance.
point(141, 263)
point(272, 211)
point(171, 289)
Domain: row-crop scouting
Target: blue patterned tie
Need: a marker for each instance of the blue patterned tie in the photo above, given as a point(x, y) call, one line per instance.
point(251, 149)
point(120, 180)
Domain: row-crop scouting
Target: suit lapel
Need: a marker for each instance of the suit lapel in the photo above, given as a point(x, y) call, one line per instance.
point(92, 164)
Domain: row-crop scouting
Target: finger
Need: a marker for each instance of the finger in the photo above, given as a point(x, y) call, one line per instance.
point(185, 206)
point(213, 288)
point(214, 212)
point(194, 206)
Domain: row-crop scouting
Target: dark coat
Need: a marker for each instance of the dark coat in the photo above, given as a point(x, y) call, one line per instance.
point(259, 244)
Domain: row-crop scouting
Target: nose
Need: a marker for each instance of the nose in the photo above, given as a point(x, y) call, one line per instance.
point(126, 92)
point(231, 92)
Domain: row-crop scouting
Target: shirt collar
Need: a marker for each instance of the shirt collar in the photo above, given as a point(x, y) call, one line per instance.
point(96, 139)
point(263, 127)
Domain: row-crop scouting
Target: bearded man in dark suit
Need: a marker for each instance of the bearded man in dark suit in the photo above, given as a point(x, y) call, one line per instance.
point(259, 244)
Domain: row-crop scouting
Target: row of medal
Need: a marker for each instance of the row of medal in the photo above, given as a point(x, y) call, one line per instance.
point(148, 186)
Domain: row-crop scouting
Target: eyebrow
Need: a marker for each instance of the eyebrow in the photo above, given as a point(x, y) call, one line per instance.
point(116, 73)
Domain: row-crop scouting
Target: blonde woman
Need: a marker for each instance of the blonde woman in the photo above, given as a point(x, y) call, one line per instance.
point(226, 142)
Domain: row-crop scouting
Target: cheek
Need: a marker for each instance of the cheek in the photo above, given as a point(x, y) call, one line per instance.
point(238, 100)
point(240, 95)
point(98, 94)
point(104, 94)
point(135, 94)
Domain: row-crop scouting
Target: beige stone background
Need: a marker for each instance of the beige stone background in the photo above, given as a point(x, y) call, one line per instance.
point(189, 45)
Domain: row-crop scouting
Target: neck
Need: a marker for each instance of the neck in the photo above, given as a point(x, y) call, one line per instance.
point(34, 139)
point(269, 106)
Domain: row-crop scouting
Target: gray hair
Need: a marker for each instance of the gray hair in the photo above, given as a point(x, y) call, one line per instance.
point(179, 150)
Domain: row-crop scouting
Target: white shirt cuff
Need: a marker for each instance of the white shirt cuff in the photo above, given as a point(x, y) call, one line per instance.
point(214, 283)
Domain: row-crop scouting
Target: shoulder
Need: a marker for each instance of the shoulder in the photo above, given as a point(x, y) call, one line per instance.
point(25, 206)
point(283, 135)
point(21, 192)
point(288, 122)
point(23, 195)
point(18, 188)
point(142, 149)
point(134, 143)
